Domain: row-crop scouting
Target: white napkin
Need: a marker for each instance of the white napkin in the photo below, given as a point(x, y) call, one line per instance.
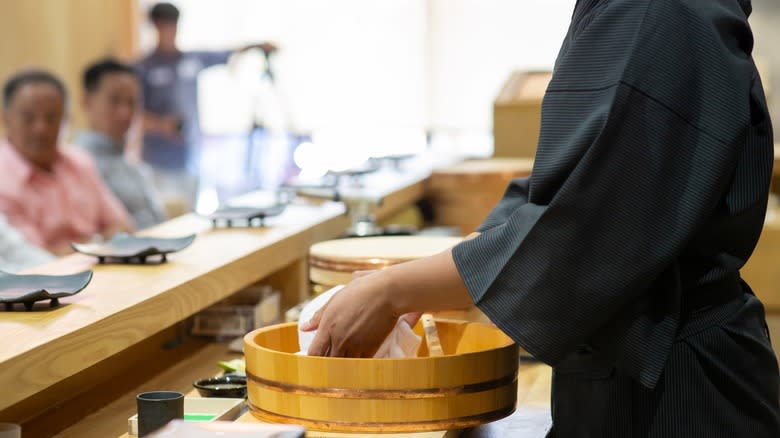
point(401, 342)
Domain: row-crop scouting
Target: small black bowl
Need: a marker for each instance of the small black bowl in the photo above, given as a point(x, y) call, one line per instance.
point(227, 386)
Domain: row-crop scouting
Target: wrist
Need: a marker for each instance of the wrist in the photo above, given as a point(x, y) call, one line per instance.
point(392, 292)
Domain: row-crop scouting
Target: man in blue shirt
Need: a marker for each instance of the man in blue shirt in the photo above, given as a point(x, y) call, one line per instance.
point(111, 91)
point(169, 82)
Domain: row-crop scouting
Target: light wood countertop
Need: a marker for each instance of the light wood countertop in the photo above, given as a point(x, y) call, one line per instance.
point(125, 304)
point(49, 356)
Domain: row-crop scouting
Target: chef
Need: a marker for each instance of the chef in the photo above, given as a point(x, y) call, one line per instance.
point(617, 262)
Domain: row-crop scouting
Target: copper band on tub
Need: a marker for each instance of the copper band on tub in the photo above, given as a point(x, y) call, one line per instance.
point(384, 394)
point(394, 427)
point(353, 265)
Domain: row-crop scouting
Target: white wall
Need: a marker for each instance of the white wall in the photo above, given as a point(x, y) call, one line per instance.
point(475, 44)
point(413, 63)
point(391, 63)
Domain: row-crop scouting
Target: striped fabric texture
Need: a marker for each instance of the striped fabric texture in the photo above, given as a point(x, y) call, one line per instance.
point(650, 182)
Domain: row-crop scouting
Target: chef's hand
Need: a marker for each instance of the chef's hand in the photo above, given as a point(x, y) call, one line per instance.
point(410, 318)
point(356, 321)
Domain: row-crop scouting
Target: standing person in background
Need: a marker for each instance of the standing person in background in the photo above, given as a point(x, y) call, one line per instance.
point(51, 193)
point(111, 93)
point(171, 128)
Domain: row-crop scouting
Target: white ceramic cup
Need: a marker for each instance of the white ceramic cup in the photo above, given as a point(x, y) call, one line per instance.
point(10, 430)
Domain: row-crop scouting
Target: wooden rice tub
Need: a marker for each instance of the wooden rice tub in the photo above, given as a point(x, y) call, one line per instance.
point(332, 262)
point(475, 382)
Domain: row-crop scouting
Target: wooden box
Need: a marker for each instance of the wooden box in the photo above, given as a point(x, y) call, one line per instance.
point(517, 114)
point(462, 195)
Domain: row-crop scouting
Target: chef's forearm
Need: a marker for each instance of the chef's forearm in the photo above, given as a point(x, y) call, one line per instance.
point(427, 285)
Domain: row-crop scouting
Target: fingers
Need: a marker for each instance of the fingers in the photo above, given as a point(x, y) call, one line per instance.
point(314, 322)
point(320, 346)
point(412, 318)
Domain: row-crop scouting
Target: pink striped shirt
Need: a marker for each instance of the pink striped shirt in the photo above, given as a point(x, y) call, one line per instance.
point(52, 209)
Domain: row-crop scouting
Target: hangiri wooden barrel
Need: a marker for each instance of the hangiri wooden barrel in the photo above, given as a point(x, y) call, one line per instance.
point(475, 382)
point(332, 262)
point(463, 194)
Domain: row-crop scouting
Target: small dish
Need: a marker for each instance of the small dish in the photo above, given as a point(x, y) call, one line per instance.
point(227, 386)
point(125, 247)
point(230, 215)
point(27, 289)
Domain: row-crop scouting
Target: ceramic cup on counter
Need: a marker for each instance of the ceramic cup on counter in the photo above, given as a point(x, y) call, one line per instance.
point(10, 430)
point(157, 408)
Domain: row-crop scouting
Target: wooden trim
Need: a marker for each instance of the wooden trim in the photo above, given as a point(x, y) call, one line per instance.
point(353, 265)
point(389, 394)
point(385, 427)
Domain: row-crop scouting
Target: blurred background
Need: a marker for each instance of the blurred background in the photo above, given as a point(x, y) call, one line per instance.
point(350, 78)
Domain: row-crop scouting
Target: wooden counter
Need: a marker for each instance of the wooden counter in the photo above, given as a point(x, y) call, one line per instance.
point(130, 315)
point(198, 360)
point(126, 304)
point(533, 399)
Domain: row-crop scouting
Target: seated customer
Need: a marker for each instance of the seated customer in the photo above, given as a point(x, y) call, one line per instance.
point(16, 253)
point(52, 194)
point(111, 92)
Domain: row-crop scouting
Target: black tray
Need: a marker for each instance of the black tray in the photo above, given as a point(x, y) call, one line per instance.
point(126, 248)
point(27, 289)
point(251, 215)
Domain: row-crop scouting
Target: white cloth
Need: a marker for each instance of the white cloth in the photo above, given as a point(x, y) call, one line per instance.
point(401, 342)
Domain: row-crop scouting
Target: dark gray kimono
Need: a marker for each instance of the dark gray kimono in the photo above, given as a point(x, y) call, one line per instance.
point(650, 184)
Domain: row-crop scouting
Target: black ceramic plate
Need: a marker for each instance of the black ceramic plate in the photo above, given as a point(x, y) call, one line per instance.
point(28, 289)
point(125, 247)
point(230, 215)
